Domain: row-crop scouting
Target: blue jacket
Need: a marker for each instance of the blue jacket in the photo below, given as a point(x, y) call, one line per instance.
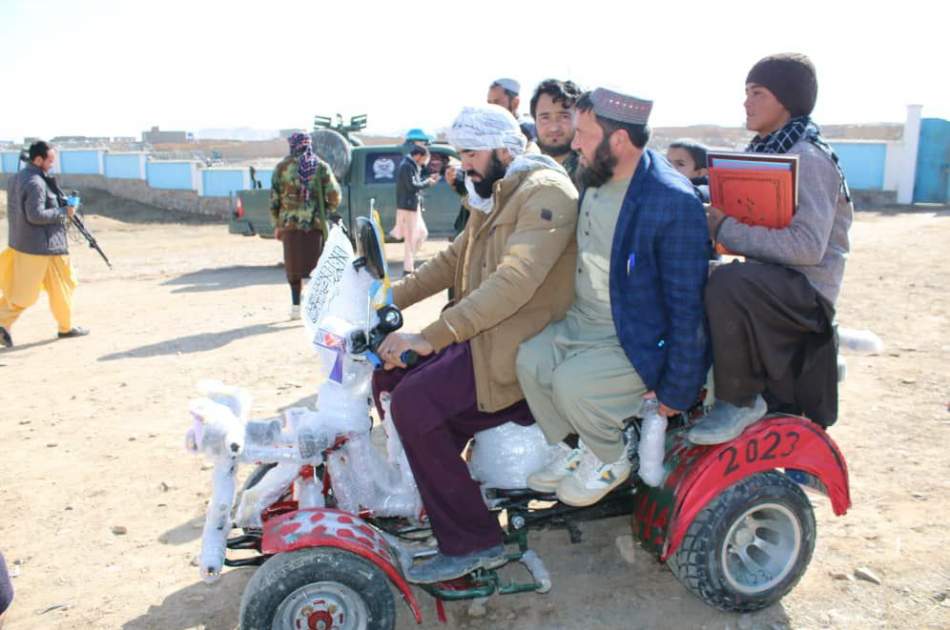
point(658, 265)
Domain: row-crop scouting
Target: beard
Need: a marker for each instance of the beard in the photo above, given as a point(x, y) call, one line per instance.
point(554, 150)
point(601, 169)
point(496, 171)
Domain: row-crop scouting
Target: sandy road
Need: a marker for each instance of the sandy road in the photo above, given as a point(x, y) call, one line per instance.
point(91, 441)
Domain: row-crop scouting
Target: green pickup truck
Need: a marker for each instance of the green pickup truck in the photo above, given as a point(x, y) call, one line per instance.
point(368, 175)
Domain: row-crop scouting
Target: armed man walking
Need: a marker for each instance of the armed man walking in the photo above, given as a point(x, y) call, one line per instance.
point(304, 195)
point(37, 256)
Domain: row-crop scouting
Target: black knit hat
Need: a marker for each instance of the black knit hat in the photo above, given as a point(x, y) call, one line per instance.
point(791, 78)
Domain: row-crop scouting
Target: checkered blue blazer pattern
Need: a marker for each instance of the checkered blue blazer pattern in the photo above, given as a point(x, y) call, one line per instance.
point(658, 267)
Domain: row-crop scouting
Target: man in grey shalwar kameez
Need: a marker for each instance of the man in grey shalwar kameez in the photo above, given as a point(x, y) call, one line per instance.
point(636, 326)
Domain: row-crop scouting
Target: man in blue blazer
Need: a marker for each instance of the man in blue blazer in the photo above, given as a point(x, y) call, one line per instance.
point(637, 327)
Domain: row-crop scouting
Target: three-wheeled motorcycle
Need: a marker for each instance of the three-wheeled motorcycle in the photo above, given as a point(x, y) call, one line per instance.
point(731, 521)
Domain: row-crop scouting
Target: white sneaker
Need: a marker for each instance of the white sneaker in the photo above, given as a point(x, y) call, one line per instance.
point(548, 478)
point(294, 312)
point(592, 480)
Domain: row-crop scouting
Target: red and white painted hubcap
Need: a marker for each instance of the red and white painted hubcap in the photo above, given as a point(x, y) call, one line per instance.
point(322, 606)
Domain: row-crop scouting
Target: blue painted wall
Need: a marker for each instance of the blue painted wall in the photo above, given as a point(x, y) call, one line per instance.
point(169, 175)
point(123, 165)
point(263, 175)
point(79, 162)
point(862, 163)
point(221, 183)
point(932, 181)
point(9, 162)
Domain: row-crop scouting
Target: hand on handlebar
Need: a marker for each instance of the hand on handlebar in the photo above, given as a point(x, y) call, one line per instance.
point(394, 348)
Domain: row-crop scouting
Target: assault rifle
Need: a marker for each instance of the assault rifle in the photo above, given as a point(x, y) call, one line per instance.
point(81, 228)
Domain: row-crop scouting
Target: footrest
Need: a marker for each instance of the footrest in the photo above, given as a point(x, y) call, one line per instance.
point(484, 582)
point(246, 541)
point(520, 493)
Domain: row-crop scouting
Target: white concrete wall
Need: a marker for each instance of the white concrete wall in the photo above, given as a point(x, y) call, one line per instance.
point(893, 164)
point(908, 166)
point(196, 179)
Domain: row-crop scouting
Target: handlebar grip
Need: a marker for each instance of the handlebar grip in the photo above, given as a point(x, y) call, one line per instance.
point(409, 357)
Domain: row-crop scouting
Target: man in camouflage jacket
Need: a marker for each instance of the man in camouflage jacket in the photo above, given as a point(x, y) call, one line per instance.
point(304, 195)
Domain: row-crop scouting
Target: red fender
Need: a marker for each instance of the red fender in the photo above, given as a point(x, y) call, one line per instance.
point(703, 472)
point(322, 527)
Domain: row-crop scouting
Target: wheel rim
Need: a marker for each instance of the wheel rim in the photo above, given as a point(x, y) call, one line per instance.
point(761, 548)
point(322, 606)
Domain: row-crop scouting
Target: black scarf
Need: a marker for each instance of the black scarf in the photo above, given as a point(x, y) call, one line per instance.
point(54, 186)
point(49, 179)
point(794, 130)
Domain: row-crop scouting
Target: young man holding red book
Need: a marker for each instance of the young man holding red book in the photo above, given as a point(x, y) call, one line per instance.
point(771, 317)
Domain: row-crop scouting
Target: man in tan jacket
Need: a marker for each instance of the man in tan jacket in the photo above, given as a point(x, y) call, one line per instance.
point(512, 271)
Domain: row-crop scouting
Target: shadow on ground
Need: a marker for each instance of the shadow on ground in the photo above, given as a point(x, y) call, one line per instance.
point(209, 606)
point(203, 342)
point(101, 203)
point(597, 586)
point(224, 278)
point(27, 346)
point(307, 401)
point(185, 533)
point(938, 210)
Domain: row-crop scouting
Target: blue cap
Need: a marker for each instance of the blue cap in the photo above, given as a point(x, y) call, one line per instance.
point(417, 134)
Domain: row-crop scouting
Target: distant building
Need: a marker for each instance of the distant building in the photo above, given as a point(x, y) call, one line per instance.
point(125, 139)
point(80, 140)
point(155, 136)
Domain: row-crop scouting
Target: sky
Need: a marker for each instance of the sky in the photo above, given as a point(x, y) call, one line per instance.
point(110, 68)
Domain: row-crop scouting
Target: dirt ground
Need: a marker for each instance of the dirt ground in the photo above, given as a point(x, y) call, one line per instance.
point(101, 506)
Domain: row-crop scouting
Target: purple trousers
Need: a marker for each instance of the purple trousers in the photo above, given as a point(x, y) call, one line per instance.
point(435, 412)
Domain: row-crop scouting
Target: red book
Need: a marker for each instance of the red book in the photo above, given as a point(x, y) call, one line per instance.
point(754, 188)
point(753, 197)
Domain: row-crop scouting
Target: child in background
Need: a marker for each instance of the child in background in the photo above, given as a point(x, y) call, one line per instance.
point(689, 158)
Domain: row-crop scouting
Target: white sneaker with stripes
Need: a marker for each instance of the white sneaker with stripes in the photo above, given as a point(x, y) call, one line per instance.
point(592, 480)
point(548, 478)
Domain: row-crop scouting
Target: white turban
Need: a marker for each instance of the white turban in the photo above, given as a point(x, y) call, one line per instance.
point(487, 127)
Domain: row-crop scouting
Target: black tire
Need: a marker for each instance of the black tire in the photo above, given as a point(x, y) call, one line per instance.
point(255, 477)
point(324, 569)
point(700, 562)
point(334, 149)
